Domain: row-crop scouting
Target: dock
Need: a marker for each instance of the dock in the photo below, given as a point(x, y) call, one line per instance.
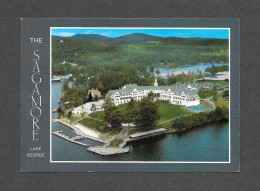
point(56, 80)
point(78, 137)
point(59, 134)
point(146, 135)
point(107, 148)
point(55, 110)
point(108, 151)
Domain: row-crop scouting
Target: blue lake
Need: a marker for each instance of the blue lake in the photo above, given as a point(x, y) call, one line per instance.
point(193, 68)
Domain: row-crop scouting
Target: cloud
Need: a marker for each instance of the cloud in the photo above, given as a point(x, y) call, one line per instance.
point(64, 34)
point(88, 32)
point(107, 34)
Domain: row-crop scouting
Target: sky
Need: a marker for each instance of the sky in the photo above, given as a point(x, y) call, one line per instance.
point(183, 33)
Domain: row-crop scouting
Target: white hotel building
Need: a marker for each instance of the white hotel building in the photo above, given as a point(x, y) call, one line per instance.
point(182, 94)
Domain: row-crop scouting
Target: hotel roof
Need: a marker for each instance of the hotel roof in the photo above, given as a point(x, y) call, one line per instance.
point(177, 89)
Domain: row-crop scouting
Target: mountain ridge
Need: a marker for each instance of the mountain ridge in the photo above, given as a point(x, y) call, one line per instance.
point(138, 38)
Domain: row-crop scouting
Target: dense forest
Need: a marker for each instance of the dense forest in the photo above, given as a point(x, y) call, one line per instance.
point(108, 63)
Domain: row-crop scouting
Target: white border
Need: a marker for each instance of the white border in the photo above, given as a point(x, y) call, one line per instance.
point(217, 162)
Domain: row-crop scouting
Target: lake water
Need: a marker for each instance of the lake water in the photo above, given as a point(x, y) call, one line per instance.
point(193, 68)
point(205, 143)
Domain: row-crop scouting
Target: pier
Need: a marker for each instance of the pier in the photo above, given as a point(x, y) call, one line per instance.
point(146, 135)
point(78, 137)
point(56, 80)
point(59, 134)
point(109, 147)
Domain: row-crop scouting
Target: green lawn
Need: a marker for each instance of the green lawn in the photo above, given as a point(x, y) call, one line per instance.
point(73, 118)
point(222, 103)
point(123, 109)
point(168, 111)
point(165, 125)
point(90, 123)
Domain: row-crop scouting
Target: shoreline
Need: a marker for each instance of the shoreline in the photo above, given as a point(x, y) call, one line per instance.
point(194, 127)
point(104, 150)
point(184, 69)
point(113, 146)
point(186, 66)
point(80, 132)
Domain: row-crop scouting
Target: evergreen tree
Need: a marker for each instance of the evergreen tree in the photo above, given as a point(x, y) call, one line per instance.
point(161, 81)
point(151, 69)
point(65, 86)
point(112, 115)
point(131, 111)
point(94, 114)
point(150, 96)
point(69, 114)
point(81, 89)
point(96, 98)
point(116, 118)
point(225, 93)
point(148, 113)
point(200, 75)
point(59, 112)
point(90, 97)
point(213, 69)
point(171, 80)
point(215, 93)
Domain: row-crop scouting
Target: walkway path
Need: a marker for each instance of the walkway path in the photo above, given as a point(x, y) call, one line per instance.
point(172, 119)
point(76, 121)
point(123, 133)
point(210, 102)
point(92, 118)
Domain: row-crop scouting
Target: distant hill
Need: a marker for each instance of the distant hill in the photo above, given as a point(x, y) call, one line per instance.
point(140, 38)
point(56, 37)
point(87, 37)
point(90, 37)
point(135, 38)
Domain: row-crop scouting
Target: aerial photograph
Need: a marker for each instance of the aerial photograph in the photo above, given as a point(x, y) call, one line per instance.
point(140, 94)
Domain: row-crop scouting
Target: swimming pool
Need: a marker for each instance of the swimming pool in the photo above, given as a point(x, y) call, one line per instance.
point(198, 108)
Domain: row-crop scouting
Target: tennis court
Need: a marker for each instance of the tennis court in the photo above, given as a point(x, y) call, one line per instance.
point(198, 108)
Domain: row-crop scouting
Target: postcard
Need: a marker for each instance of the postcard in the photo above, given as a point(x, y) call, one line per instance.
point(130, 95)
